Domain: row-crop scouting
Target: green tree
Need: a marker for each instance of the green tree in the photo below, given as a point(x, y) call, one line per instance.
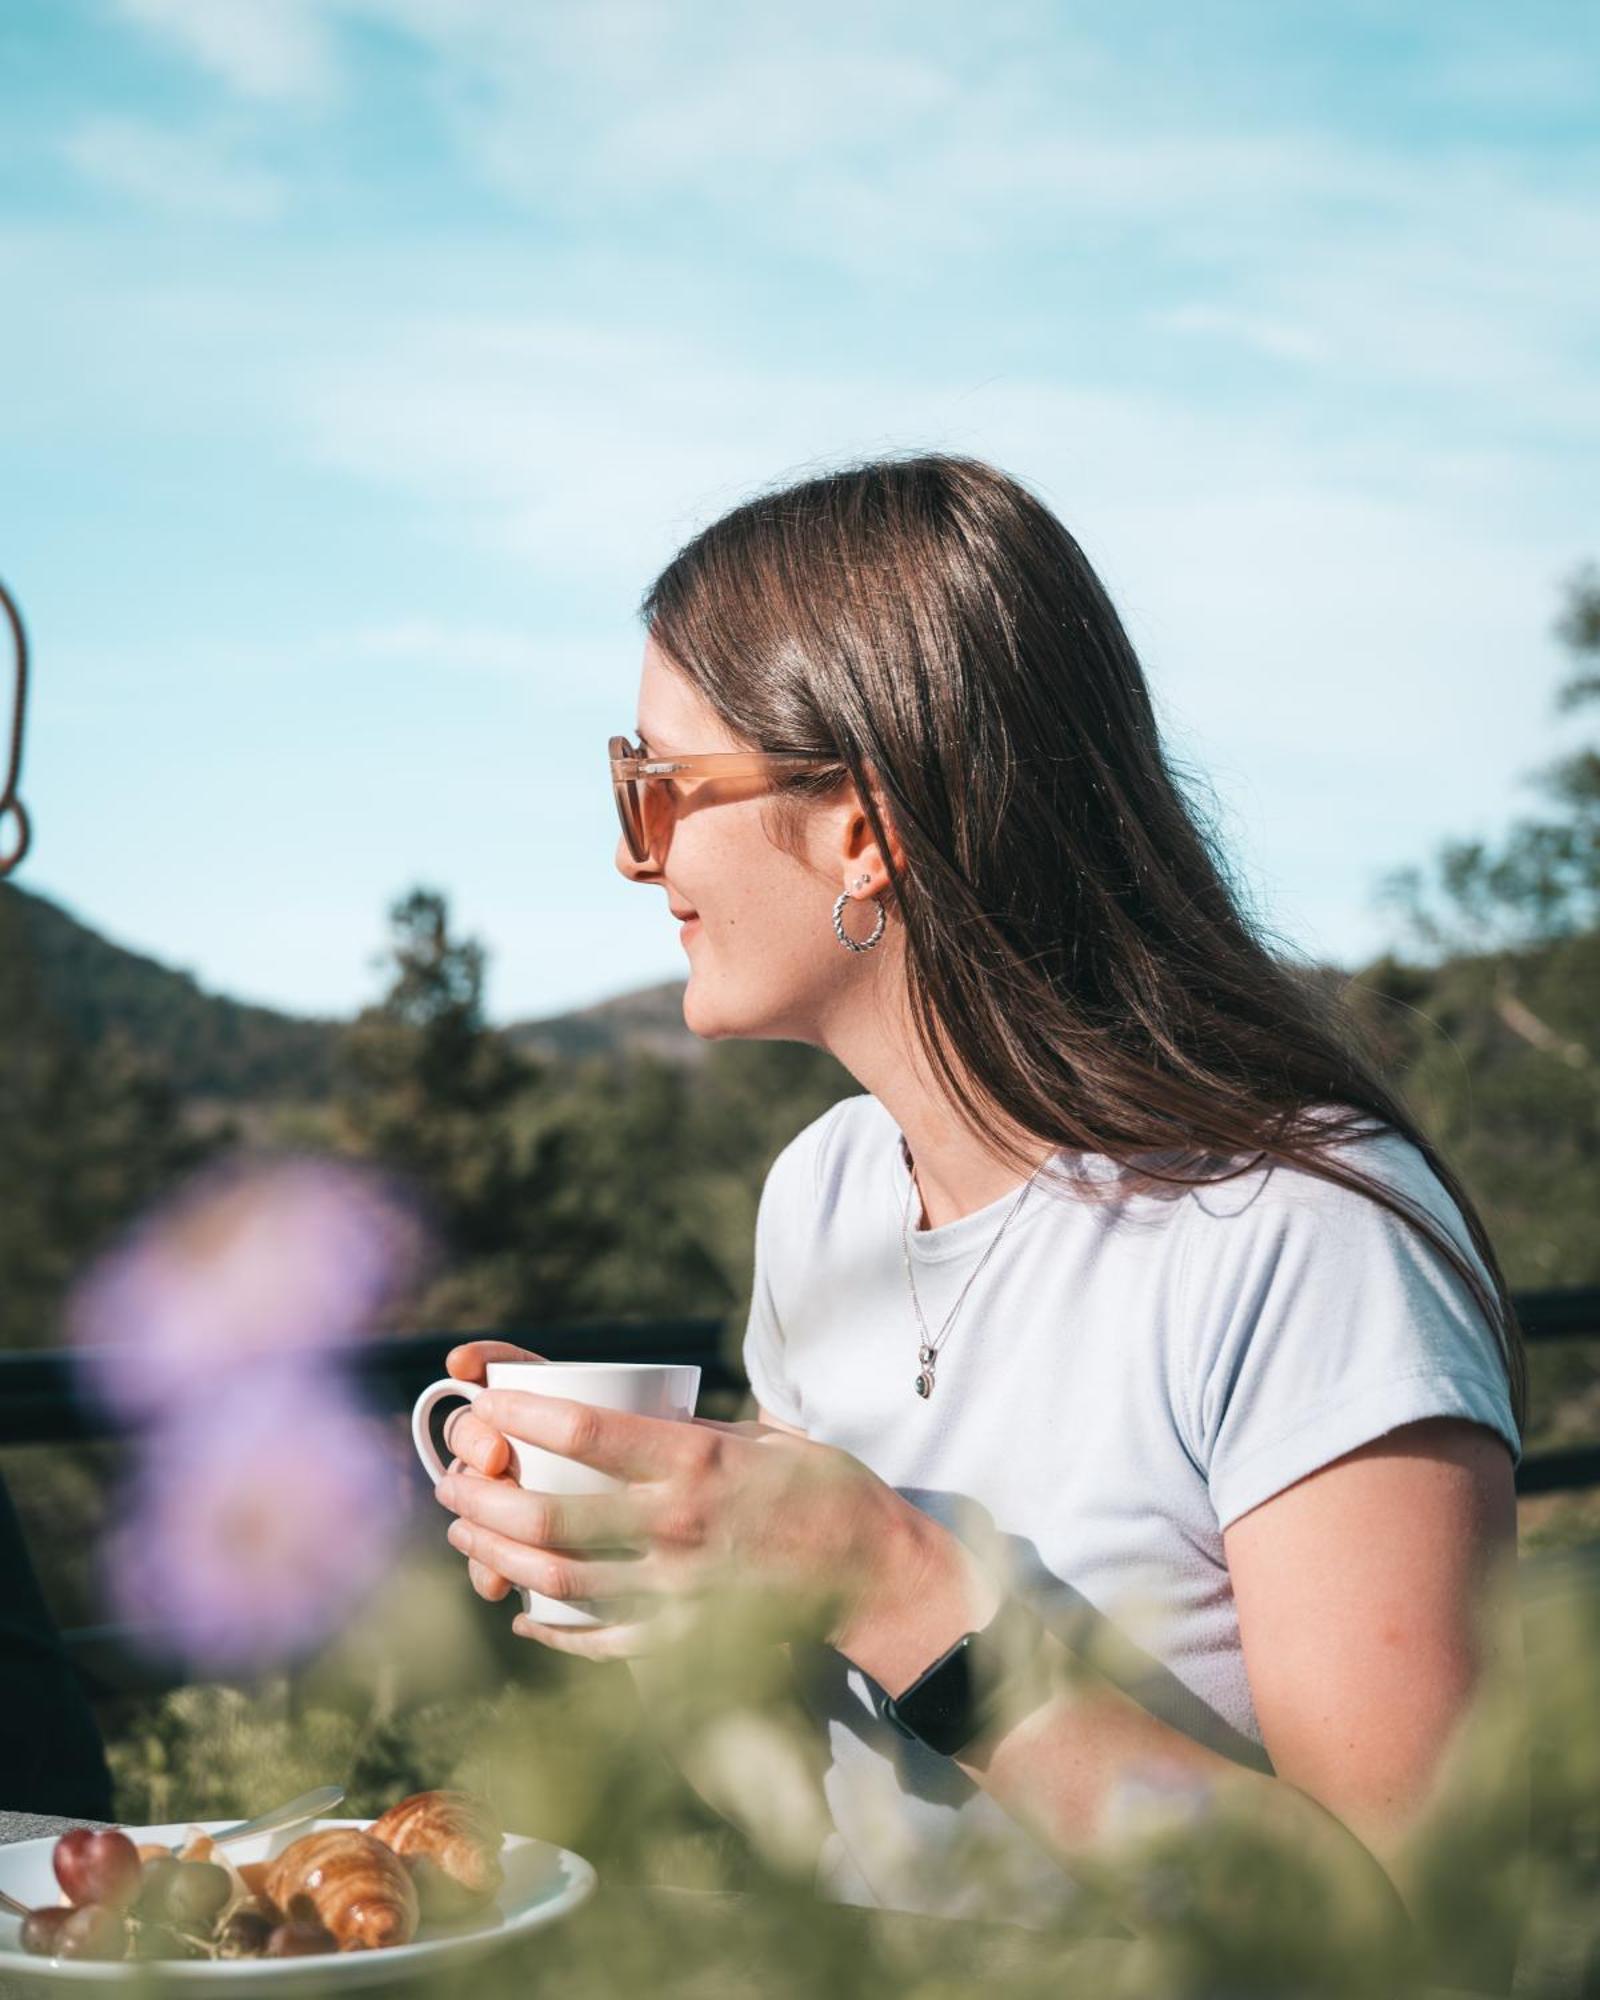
point(88, 1136)
point(1491, 1036)
point(426, 1086)
point(1543, 881)
point(622, 1185)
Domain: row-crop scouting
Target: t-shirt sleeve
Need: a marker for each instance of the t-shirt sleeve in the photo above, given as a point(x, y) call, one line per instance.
point(1322, 1322)
point(764, 1353)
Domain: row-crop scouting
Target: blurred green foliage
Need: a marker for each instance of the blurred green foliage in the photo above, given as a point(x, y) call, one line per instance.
point(1215, 1902)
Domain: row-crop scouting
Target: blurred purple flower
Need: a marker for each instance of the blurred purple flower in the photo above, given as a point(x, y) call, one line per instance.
point(254, 1260)
point(256, 1521)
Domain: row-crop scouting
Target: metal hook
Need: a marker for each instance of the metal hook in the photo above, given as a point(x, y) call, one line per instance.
point(9, 802)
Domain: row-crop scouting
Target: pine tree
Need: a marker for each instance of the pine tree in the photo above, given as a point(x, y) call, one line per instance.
point(427, 1086)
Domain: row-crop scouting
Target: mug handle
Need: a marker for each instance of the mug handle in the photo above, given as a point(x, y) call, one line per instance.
point(426, 1404)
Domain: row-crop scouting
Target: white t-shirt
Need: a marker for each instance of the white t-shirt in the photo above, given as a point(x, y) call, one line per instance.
point(1125, 1378)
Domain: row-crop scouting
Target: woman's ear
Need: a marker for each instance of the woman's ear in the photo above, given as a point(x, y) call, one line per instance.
point(860, 853)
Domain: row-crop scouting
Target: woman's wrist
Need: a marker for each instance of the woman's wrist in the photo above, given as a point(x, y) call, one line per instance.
point(926, 1590)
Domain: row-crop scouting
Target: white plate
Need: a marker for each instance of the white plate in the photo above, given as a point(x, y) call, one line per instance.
point(542, 1883)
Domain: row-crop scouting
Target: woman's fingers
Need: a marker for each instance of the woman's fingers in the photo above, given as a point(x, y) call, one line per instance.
point(476, 1444)
point(567, 1578)
point(488, 1583)
point(590, 1642)
point(614, 1441)
point(548, 1520)
point(468, 1362)
point(670, 1620)
point(482, 1447)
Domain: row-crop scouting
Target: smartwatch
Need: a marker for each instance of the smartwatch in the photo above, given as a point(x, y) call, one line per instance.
point(1002, 1670)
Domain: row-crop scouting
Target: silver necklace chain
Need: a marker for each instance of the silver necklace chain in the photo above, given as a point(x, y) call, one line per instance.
point(930, 1344)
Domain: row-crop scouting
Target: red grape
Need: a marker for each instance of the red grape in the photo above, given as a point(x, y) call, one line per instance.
point(300, 1940)
point(92, 1931)
point(98, 1866)
point(245, 1933)
point(40, 1929)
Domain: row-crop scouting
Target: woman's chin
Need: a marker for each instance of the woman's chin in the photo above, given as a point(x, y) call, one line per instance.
point(711, 1017)
point(701, 1015)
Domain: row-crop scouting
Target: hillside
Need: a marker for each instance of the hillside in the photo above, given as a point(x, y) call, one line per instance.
point(646, 1022)
point(1493, 1052)
point(229, 1052)
point(210, 1046)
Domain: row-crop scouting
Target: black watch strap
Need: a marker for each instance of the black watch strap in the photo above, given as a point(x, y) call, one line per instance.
point(1002, 1671)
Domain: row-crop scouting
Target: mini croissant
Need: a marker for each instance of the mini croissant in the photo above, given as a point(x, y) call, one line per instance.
point(359, 1889)
point(451, 1843)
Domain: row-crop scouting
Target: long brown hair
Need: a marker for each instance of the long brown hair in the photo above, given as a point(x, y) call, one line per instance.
point(1077, 959)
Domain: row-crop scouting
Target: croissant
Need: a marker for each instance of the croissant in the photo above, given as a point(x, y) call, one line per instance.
point(451, 1843)
point(358, 1887)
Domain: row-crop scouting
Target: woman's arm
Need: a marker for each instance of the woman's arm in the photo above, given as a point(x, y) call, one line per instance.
point(1371, 1617)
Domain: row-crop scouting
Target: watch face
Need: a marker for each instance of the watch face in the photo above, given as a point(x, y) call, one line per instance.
point(939, 1709)
point(980, 1680)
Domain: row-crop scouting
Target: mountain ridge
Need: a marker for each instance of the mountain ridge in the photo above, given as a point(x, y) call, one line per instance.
point(215, 1047)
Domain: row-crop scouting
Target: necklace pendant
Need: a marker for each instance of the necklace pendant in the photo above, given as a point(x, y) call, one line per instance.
point(925, 1356)
point(925, 1383)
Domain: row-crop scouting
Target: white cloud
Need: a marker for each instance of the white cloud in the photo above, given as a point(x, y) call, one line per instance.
point(475, 649)
point(184, 173)
point(1556, 74)
point(1277, 338)
point(279, 51)
point(1265, 571)
point(581, 450)
point(917, 148)
point(907, 145)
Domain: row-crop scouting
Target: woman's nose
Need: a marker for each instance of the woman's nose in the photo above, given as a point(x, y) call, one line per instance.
point(635, 871)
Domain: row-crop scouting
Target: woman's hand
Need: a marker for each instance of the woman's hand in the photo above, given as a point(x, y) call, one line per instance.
point(476, 1448)
point(700, 1503)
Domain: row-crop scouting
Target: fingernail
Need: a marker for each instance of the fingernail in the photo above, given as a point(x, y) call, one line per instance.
point(445, 1491)
point(460, 1537)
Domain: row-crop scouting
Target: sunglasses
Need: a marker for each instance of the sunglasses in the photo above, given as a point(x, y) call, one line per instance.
point(645, 802)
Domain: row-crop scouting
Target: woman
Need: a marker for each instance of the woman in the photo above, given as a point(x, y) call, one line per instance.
point(1127, 1293)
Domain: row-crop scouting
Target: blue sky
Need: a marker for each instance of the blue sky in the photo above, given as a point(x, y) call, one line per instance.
point(365, 359)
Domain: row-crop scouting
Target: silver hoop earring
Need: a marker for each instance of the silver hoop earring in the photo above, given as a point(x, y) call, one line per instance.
point(857, 944)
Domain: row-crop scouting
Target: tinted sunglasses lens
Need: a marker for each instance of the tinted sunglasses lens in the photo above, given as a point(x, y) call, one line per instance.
point(627, 796)
point(655, 820)
point(626, 793)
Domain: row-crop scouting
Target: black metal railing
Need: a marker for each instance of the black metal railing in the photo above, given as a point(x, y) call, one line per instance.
point(40, 1401)
point(1570, 1314)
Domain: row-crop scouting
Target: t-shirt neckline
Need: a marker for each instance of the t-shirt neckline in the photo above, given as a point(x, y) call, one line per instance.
point(968, 1232)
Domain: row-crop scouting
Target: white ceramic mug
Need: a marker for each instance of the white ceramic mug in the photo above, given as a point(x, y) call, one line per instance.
point(643, 1388)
